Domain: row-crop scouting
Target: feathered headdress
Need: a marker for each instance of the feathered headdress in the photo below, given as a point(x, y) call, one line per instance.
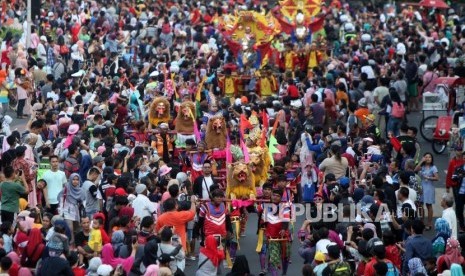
point(237, 153)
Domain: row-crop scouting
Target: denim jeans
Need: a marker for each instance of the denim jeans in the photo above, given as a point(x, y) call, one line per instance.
point(394, 125)
point(21, 104)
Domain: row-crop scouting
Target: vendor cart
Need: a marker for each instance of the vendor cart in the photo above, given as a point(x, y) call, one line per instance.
point(449, 92)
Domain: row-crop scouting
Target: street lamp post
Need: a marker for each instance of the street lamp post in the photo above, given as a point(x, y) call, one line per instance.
point(29, 23)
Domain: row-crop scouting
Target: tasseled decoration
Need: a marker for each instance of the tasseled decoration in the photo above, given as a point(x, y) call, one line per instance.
point(259, 247)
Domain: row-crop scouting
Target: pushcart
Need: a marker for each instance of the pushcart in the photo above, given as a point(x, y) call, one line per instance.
point(441, 134)
point(448, 93)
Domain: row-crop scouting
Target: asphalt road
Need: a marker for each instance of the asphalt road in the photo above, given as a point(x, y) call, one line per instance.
point(248, 243)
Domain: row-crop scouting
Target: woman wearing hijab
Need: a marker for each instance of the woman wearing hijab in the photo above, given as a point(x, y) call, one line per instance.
point(372, 227)
point(34, 249)
point(456, 270)
point(152, 270)
point(21, 238)
point(443, 233)
point(210, 258)
point(240, 267)
point(71, 197)
point(15, 267)
point(415, 266)
point(32, 158)
point(119, 248)
point(150, 253)
point(452, 255)
point(94, 264)
point(108, 257)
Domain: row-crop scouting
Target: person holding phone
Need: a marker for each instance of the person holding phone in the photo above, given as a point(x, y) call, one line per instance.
point(11, 190)
point(170, 244)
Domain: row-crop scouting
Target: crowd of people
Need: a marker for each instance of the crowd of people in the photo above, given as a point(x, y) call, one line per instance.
point(105, 179)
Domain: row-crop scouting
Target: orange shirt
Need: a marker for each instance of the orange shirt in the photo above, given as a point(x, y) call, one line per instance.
point(341, 95)
point(361, 113)
point(178, 219)
point(2, 76)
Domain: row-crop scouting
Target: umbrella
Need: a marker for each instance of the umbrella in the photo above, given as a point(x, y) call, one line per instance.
point(437, 4)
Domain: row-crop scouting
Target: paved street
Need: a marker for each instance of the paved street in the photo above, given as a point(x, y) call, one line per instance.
point(249, 242)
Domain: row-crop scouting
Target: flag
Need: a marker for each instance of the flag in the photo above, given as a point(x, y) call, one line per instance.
point(265, 122)
point(272, 148)
point(228, 150)
point(196, 129)
point(176, 96)
point(198, 95)
point(246, 151)
point(245, 124)
point(317, 24)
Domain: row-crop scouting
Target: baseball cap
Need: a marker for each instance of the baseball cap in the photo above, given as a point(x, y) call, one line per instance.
point(120, 192)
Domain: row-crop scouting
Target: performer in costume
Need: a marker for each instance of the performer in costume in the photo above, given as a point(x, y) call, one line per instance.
point(289, 58)
point(214, 219)
point(164, 143)
point(276, 217)
point(228, 85)
point(266, 84)
point(159, 111)
point(215, 135)
point(198, 158)
point(185, 123)
point(240, 190)
point(185, 156)
point(262, 248)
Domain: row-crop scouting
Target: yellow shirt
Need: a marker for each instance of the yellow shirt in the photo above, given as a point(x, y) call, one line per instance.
point(265, 87)
point(229, 87)
point(312, 61)
point(95, 240)
point(289, 61)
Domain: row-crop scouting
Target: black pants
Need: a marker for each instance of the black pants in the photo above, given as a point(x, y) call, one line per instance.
point(19, 110)
point(53, 209)
point(7, 216)
point(459, 209)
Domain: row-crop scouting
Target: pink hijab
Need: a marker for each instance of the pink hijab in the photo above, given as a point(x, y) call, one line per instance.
point(14, 257)
point(108, 257)
point(24, 271)
point(152, 270)
point(453, 252)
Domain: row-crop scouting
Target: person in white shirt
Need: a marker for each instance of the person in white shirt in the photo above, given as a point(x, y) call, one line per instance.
point(42, 49)
point(403, 198)
point(203, 183)
point(448, 213)
point(55, 180)
point(142, 205)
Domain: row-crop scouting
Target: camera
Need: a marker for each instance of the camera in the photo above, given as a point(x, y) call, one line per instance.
point(458, 174)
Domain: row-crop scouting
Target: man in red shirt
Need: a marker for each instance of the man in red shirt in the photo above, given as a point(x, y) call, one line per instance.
point(379, 255)
point(454, 163)
point(121, 114)
point(214, 219)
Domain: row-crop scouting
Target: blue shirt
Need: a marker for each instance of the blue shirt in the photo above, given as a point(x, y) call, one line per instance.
point(416, 247)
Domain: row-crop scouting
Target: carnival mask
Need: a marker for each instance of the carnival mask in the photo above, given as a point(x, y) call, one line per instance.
point(217, 125)
point(161, 109)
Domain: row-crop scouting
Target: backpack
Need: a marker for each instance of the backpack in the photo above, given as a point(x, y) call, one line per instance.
point(398, 110)
point(173, 254)
point(340, 269)
point(392, 270)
